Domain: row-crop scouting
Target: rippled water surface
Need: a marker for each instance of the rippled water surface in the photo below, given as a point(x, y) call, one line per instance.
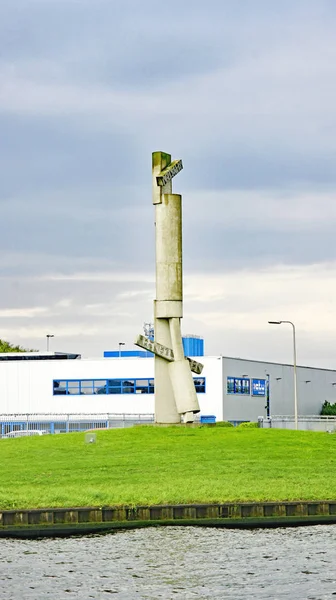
point(174, 562)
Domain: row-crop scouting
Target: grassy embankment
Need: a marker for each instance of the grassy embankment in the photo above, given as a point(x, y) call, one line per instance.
point(148, 465)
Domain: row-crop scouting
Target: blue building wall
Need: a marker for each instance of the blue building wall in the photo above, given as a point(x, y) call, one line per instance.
point(192, 346)
point(127, 354)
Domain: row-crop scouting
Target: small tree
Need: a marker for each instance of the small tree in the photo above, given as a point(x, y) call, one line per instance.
point(8, 347)
point(328, 409)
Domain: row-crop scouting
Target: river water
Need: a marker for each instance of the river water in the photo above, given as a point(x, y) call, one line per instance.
point(173, 563)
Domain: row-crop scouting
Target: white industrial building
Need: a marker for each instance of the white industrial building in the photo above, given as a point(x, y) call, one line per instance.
point(231, 389)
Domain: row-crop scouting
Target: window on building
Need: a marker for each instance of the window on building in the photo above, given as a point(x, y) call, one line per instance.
point(238, 385)
point(114, 386)
point(98, 384)
point(102, 389)
point(142, 386)
point(88, 387)
point(230, 388)
point(200, 385)
point(128, 387)
point(73, 388)
point(59, 388)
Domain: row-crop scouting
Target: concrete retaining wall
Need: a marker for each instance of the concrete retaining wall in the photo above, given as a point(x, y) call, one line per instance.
point(59, 521)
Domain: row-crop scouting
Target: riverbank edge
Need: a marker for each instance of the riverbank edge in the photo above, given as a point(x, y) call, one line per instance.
point(55, 522)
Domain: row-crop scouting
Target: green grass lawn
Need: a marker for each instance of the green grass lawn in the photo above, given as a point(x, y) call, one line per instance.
point(154, 465)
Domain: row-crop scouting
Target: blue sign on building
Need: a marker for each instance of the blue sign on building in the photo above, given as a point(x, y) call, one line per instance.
point(258, 387)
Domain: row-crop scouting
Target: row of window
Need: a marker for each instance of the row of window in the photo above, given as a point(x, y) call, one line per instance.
point(88, 387)
point(246, 387)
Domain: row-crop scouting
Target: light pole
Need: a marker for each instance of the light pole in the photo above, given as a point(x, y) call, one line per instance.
point(120, 344)
point(48, 336)
point(294, 366)
point(268, 406)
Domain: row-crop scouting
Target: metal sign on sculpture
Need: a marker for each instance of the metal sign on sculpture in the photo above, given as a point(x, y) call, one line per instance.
point(165, 352)
point(175, 394)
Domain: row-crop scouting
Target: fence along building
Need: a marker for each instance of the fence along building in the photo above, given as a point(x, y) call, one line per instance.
point(232, 389)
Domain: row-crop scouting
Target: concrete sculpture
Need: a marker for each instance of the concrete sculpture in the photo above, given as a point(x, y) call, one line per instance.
point(175, 395)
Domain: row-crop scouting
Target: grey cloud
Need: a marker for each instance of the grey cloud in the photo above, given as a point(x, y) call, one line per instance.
point(221, 249)
point(140, 44)
point(129, 244)
point(83, 316)
point(39, 153)
point(80, 232)
point(121, 240)
point(262, 168)
point(266, 346)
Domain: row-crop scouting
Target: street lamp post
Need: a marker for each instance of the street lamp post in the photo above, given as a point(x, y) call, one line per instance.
point(48, 336)
point(120, 344)
point(268, 405)
point(294, 367)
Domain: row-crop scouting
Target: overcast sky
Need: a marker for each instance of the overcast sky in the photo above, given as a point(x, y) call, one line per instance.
point(244, 91)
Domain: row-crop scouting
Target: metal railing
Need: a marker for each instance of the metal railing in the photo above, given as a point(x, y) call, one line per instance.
point(305, 422)
point(49, 423)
